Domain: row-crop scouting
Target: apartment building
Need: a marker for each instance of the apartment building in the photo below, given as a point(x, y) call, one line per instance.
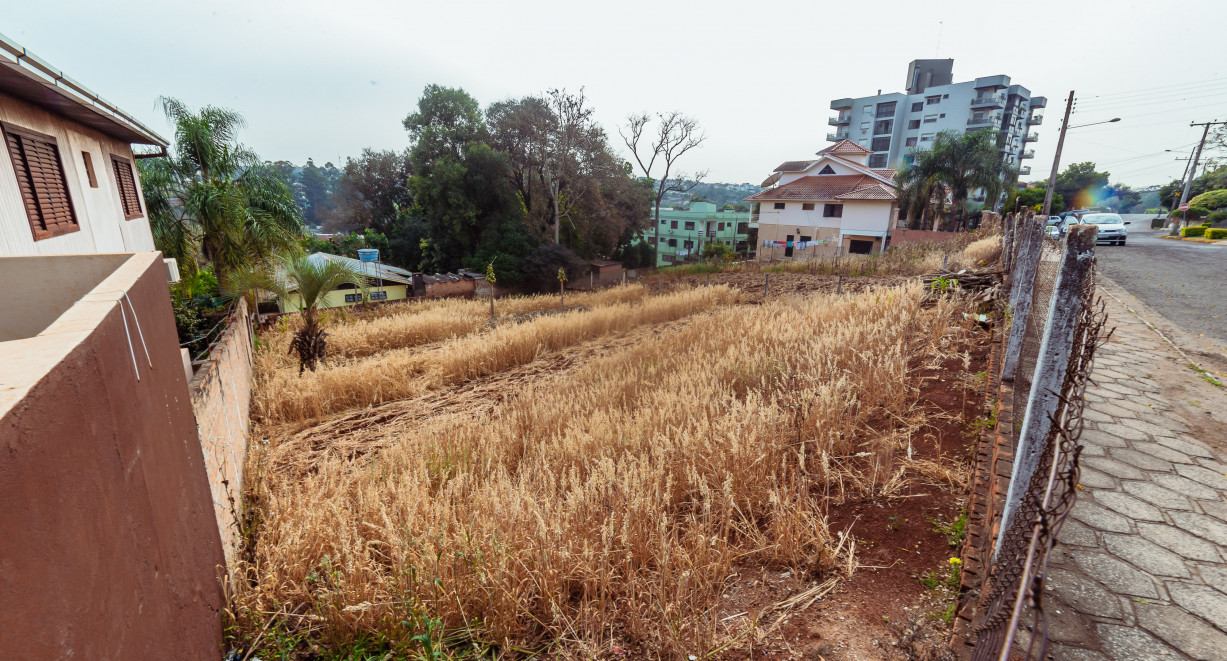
point(683, 233)
point(890, 125)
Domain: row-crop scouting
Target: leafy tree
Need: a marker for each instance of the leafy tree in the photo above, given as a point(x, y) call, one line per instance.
point(1216, 199)
point(319, 184)
point(1081, 185)
point(212, 200)
point(717, 252)
point(540, 268)
point(1121, 197)
point(373, 191)
point(1033, 198)
point(311, 279)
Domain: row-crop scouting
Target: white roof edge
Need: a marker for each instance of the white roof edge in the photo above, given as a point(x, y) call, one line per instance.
point(19, 55)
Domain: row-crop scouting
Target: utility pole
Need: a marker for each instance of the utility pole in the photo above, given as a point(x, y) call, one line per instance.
point(1056, 160)
point(1188, 181)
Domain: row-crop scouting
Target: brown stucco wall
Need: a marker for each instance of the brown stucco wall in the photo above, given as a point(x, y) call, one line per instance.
point(462, 287)
point(109, 547)
point(899, 237)
point(221, 398)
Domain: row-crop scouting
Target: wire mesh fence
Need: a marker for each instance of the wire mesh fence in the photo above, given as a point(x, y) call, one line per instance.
point(1013, 619)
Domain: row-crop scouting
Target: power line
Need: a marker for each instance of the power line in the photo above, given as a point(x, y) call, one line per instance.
point(1135, 104)
point(1152, 89)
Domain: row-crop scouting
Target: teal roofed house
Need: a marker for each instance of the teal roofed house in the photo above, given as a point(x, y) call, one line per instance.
point(683, 234)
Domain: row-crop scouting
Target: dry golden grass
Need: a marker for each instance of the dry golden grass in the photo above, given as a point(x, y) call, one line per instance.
point(413, 323)
point(613, 504)
point(967, 251)
point(283, 395)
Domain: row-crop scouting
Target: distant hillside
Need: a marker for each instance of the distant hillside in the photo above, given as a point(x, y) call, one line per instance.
point(718, 193)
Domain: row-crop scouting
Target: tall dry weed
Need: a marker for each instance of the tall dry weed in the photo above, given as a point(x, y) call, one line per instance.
point(615, 503)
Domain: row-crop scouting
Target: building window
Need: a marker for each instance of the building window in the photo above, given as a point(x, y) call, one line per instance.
point(40, 178)
point(826, 169)
point(719, 227)
point(931, 119)
point(687, 244)
point(126, 182)
point(910, 142)
point(807, 206)
point(886, 109)
point(913, 124)
point(742, 228)
point(926, 138)
point(89, 169)
point(832, 211)
point(673, 224)
point(779, 205)
point(652, 240)
point(379, 296)
point(353, 298)
point(881, 144)
point(690, 224)
point(942, 116)
point(930, 100)
point(945, 96)
point(877, 161)
point(918, 106)
point(672, 243)
point(663, 221)
point(884, 126)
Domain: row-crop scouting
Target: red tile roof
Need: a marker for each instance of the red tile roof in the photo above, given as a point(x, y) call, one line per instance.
point(845, 147)
point(828, 187)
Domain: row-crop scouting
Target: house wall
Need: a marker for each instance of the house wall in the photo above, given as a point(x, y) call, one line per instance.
point(901, 237)
point(110, 548)
point(99, 210)
point(336, 297)
point(220, 392)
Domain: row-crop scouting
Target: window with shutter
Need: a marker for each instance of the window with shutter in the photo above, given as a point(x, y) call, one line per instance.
point(40, 178)
point(126, 181)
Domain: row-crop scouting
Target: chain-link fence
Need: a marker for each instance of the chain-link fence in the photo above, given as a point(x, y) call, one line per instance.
point(1055, 348)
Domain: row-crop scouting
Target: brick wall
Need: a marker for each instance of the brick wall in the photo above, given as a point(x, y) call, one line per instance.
point(221, 399)
point(462, 287)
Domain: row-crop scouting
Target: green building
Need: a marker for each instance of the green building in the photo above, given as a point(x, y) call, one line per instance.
point(684, 233)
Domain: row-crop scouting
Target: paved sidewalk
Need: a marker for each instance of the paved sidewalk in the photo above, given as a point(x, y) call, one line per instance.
point(1141, 569)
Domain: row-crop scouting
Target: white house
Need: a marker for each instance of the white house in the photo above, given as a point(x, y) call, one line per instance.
point(68, 177)
point(834, 204)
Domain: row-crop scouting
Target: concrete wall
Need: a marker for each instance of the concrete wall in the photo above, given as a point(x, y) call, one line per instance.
point(99, 210)
point(110, 550)
point(462, 287)
point(220, 393)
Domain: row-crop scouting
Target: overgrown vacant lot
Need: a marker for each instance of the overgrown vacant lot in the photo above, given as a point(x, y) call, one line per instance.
point(599, 482)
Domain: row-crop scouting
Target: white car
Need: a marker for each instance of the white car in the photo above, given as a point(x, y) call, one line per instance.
point(1111, 227)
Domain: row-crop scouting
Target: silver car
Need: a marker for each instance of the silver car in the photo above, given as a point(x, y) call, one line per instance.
point(1111, 227)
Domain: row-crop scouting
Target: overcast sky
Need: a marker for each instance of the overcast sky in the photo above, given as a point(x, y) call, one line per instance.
point(326, 78)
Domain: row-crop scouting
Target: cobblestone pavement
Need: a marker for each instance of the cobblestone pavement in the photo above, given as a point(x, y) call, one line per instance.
point(1141, 569)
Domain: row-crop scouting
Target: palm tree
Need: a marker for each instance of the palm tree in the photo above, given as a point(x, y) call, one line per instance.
point(919, 182)
point(311, 278)
point(962, 162)
point(212, 199)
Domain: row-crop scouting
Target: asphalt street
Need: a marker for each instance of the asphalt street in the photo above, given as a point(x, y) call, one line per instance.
point(1186, 282)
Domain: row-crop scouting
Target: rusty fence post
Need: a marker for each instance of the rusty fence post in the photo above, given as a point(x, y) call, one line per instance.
point(1022, 290)
point(1077, 267)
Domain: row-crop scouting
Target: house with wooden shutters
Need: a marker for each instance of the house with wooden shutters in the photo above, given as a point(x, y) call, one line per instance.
point(68, 177)
point(834, 204)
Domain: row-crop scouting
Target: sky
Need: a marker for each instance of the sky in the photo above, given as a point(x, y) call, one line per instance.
point(324, 79)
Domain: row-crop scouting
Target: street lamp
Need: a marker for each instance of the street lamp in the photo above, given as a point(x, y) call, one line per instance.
point(1056, 160)
point(1114, 119)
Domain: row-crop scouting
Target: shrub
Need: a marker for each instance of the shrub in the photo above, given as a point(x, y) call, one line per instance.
point(1193, 231)
point(1217, 215)
point(1215, 199)
point(1216, 234)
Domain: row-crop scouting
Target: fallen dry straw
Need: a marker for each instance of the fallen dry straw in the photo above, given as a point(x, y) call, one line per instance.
point(285, 396)
point(614, 503)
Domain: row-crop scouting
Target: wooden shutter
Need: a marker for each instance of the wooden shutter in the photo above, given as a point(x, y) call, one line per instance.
point(126, 181)
point(40, 178)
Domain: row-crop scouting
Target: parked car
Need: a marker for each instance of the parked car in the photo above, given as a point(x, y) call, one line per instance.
point(1056, 226)
point(1111, 227)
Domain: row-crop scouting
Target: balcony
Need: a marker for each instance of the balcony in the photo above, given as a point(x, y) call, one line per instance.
point(1035, 120)
point(1031, 137)
point(990, 120)
point(840, 104)
point(838, 135)
point(1030, 153)
point(842, 119)
point(1024, 170)
point(989, 101)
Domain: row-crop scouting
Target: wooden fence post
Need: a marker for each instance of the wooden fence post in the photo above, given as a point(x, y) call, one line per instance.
point(1077, 268)
point(766, 285)
point(1007, 242)
point(1022, 289)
